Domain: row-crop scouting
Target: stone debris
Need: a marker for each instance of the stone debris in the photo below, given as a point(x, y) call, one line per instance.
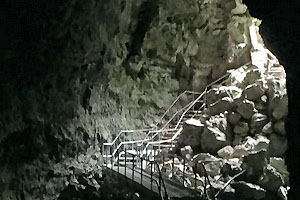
point(243, 132)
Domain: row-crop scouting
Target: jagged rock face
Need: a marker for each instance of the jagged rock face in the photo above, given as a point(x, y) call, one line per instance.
point(103, 66)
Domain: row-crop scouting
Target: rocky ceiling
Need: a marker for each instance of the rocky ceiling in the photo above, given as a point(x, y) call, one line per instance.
point(74, 73)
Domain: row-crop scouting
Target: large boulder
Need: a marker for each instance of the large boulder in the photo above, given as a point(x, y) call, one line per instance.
point(211, 164)
point(279, 127)
point(220, 92)
point(241, 128)
point(216, 134)
point(278, 146)
point(271, 180)
point(213, 139)
point(246, 109)
point(254, 164)
point(278, 98)
point(224, 104)
point(280, 166)
point(191, 133)
point(254, 91)
point(234, 117)
point(225, 152)
point(248, 191)
point(280, 107)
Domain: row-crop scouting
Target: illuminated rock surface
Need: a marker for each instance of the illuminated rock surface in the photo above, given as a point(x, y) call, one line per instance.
point(98, 67)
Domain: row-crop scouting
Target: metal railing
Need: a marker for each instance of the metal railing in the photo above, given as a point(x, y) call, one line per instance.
point(110, 150)
point(134, 163)
point(175, 102)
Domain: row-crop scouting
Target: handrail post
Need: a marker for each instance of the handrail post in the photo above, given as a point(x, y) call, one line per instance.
point(118, 162)
point(106, 157)
point(125, 161)
point(163, 160)
point(195, 173)
point(173, 165)
point(111, 162)
point(141, 172)
point(183, 176)
point(133, 156)
point(151, 175)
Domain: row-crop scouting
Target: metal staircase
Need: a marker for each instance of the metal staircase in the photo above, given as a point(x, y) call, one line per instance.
point(142, 156)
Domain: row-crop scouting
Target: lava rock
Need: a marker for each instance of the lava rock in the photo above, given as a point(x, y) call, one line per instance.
point(278, 146)
point(234, 117)
point(254, 164)
point(248, 191)
point(225, 152)
point(224, 104)
point(267, 129)
point(258, 122)
point(246, 109)
point(241, 128)
point(279, 127)
point(280, 166)
point(254, 91)
point(213, 139)
point(271, 180)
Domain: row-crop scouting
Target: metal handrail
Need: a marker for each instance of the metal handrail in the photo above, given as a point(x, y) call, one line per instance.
point(160, 183)
point(168, 122)
point(174, 102)
point(127, 131)
point(132, 142)
point(161, 141)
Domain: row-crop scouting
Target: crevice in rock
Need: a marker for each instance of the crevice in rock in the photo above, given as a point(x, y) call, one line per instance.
point(147, 12)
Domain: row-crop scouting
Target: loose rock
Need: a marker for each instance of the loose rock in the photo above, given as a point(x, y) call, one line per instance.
point(246, 109)
point(248, 190)
point(278, 146)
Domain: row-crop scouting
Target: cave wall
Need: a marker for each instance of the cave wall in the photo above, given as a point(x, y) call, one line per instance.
point(77, 72)
point(281, 36)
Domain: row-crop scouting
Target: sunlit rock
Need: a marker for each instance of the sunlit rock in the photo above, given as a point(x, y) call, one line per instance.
point(225, 152)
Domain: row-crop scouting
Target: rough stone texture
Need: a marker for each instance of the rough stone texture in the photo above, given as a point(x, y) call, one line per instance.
point(226, 103)
point(234, 117)
point(241, 128)
point(278, 146)
point(271, 180)
point(255, 163)
point(216, 134)
point(225, 152)
point(246, 109)
point(249, 191)
point(191, 134)
point(102, 66)
point(254, 91)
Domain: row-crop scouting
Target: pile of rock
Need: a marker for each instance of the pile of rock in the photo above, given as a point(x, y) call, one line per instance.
point(242, 134)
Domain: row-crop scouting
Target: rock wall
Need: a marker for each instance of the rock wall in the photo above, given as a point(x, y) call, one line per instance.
point(77, 72)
